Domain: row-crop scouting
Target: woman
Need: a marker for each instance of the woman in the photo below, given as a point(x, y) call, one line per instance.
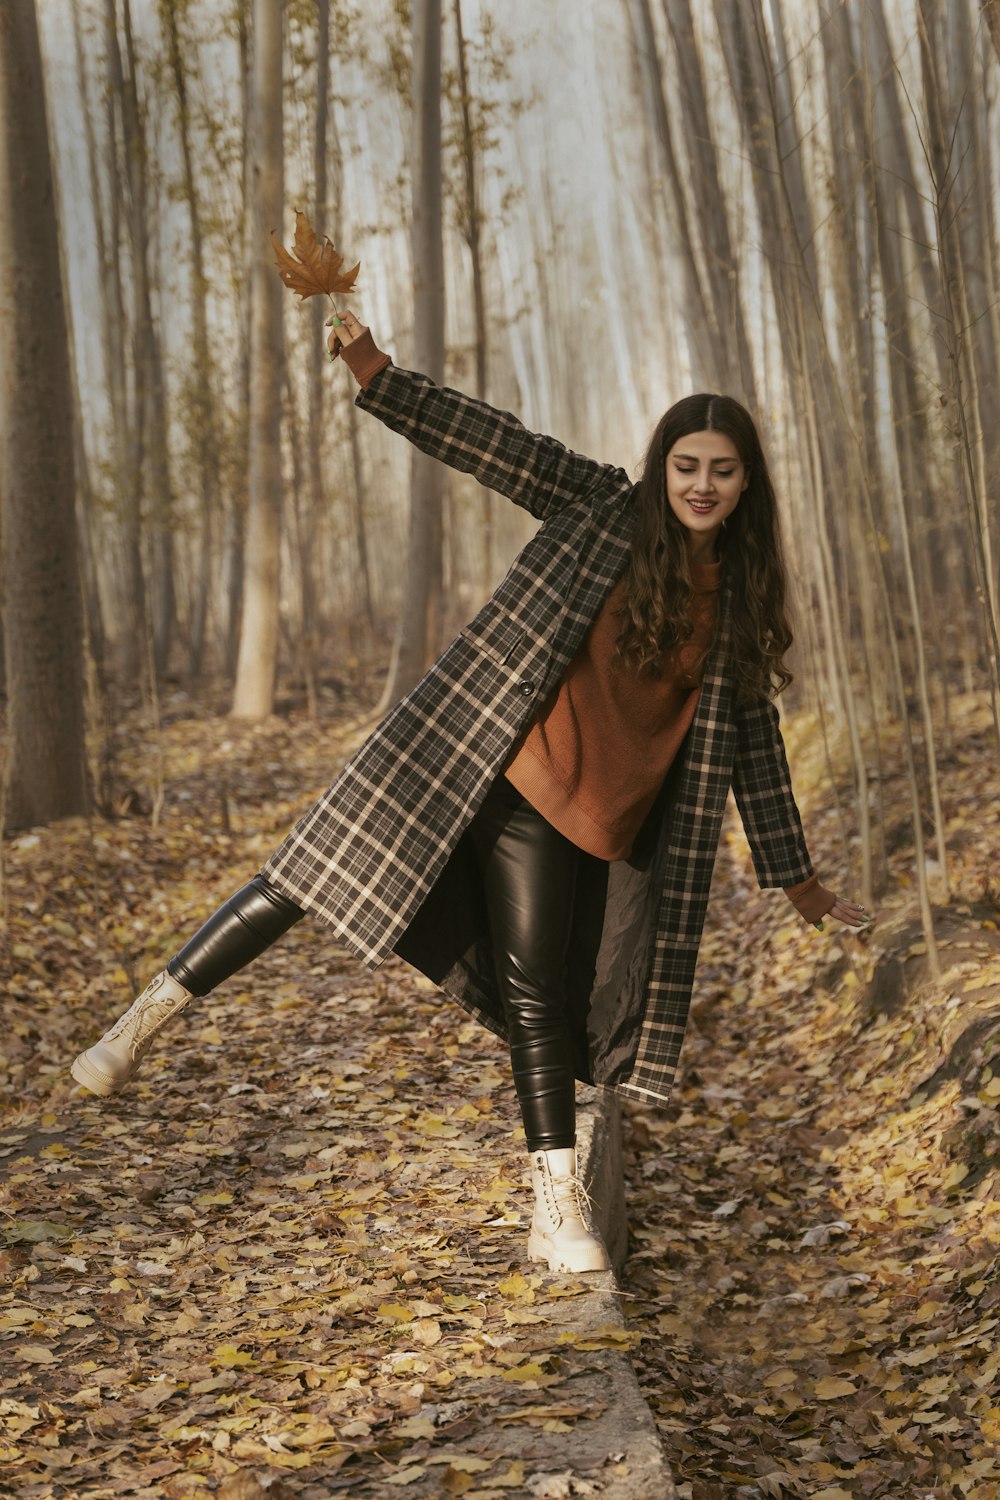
point(534, 825)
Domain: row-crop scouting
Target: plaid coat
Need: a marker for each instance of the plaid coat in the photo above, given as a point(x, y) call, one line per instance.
point(381, 856)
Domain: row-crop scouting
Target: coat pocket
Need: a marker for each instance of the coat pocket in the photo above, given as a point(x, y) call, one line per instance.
point(496, 633)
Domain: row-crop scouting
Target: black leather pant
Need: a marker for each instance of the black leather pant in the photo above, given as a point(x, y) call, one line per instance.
point(246, 924)
point(529, 872)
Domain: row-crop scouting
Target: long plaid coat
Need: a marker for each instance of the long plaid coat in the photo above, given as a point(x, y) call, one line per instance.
point(381, 856)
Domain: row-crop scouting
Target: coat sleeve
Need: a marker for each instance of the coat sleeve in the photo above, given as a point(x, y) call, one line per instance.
point(762, 786)
point(535, 472)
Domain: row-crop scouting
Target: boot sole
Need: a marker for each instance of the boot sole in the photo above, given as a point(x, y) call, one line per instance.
point(98, 1083)
point(539, 1248)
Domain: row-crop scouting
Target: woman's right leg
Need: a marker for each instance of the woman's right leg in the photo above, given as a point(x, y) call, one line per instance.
point(529, 875)
point(250, 921)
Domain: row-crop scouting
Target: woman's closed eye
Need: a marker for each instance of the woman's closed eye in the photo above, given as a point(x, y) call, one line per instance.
point(722, 473)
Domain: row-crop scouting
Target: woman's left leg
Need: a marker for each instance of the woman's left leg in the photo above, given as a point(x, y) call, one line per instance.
point(250, 921)
point(529, 874)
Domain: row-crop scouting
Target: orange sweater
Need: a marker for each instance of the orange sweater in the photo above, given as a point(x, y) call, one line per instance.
point(596, 789)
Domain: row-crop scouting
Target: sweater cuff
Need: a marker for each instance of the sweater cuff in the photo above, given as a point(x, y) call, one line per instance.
point(810, 899)
point(364, 358)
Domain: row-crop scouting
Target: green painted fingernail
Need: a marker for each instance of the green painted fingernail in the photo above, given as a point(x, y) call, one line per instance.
point(820, 927)
point(338, 322)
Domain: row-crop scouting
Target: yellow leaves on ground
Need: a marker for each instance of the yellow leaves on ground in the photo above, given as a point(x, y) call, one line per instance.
point(817, 1269)
point(518, 1288)
point(230, 1358)
point(831, 1387)
point(34, 1354)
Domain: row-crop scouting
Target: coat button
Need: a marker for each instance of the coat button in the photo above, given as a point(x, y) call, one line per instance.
point(526, 687)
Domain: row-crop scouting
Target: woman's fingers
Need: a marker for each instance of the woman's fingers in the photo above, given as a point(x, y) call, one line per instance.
point(849, 912)
point(344, 329)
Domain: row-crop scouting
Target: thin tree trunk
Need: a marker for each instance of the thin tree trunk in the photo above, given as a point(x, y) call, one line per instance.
point(126, 410)
point(234, 538)
point(360, 524)
point(90, 526)
point(708, 361)
point(150, 383)
point(965, 388)
point(311, 644)
point(256, 668)
point(45, 775)
point(201, 388)
point(419, 626)
point(472, 227)
point(722, 263)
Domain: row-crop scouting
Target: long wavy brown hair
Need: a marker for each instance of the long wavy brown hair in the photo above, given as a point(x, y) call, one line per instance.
point(658, 580)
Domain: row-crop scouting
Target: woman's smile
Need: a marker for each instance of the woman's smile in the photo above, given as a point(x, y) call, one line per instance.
point(704, 458)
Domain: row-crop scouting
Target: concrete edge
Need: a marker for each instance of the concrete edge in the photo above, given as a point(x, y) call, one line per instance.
point(600, 1164)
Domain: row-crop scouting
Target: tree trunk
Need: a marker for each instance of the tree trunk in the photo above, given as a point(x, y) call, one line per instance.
point(309, 506)
point(722, 263)
point(708, 361)
point(234, 541)
point(472, 227)
point(126, 414)
point(417, 636)
point(201, 404)
point(46, 770)
point(253, 695)
point(151, 406)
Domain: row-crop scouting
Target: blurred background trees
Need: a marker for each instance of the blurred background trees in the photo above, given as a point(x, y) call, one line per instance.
point(632, 199)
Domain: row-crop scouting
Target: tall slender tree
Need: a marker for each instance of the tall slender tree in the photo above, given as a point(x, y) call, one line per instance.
point(150, 413)
point(417, 636)
point(43, 616)
point(253, 695)
point(200, 405)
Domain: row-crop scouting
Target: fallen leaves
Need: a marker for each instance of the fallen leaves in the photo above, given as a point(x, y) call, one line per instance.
point(816, 1265)
point(289, 1260)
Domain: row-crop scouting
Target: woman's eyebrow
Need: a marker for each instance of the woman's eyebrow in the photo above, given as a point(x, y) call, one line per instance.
point(692, 458)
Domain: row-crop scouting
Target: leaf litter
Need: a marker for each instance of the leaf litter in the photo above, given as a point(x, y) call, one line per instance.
point(288, 1258)
point(816, 1217)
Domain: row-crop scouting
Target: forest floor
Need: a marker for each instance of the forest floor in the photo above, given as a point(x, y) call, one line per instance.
point(289, 1258)
point(293, 1247)
point(816, 1217)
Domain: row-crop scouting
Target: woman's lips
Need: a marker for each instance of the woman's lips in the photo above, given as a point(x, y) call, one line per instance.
point(702, 506)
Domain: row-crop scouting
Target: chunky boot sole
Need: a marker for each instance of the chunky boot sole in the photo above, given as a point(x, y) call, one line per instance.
point(577, 1259)
point(85, 1073)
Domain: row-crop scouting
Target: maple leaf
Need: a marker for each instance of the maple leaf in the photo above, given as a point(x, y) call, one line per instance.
point(316, 271)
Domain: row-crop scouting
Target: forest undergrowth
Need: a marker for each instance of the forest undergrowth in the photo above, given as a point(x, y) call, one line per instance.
point(816, 1217)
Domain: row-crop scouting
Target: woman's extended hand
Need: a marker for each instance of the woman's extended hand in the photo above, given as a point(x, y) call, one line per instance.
point(362, 356)
point(346, 331)
point(848, 912)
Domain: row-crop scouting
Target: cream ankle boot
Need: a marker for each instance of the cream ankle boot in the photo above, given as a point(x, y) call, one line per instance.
point(109, 1064)
point(560, 1233)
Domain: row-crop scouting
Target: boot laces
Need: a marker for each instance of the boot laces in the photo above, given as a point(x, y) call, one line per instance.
point(570, 1190)
point(142, 1018)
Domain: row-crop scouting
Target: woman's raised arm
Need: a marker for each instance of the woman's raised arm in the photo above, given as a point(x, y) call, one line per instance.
point(534, 471)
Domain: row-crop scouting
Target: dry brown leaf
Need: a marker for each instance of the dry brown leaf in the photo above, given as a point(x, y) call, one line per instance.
point(314, 269)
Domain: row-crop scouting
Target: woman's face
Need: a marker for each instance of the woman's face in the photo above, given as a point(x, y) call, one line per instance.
point(705, 478)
